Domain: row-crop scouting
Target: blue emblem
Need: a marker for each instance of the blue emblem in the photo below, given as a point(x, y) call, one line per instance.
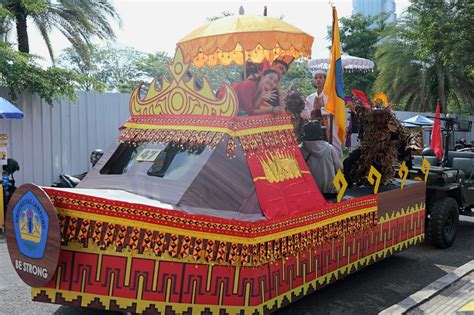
point(30, 222)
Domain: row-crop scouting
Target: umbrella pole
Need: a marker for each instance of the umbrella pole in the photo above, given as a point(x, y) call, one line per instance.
point(245, 65)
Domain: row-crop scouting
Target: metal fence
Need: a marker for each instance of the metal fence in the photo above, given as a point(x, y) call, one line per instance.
point(54, 139)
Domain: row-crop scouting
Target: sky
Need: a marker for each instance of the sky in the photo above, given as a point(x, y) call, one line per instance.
point(150, 26)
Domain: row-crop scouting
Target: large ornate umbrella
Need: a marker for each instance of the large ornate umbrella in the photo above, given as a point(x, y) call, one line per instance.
point(349, 63)
point(241, 38)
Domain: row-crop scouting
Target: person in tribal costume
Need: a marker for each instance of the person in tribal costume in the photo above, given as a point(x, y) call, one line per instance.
point(384, 144)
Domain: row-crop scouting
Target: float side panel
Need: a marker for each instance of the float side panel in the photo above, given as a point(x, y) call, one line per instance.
point(148, 284)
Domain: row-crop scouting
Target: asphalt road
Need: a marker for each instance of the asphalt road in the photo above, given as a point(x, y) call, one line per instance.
point(365, 292)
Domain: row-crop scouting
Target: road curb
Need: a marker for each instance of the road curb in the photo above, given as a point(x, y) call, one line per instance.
point(429, 291)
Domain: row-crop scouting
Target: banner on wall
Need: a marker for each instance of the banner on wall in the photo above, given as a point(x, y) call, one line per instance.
point(3, 148)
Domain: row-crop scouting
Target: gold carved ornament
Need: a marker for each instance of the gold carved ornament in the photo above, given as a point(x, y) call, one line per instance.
point(340, 183)
point(403, 173)
point(374, 178)
point(425, 168)
point(181, 96)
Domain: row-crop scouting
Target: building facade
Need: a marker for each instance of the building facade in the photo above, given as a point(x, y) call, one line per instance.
point(374, 7)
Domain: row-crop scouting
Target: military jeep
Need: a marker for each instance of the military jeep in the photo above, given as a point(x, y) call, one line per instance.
point(450, 186)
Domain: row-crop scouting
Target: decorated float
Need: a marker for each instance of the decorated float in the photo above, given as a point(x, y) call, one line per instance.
point(196, 210)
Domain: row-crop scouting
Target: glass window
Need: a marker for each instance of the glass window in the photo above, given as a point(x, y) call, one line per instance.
point(168, 161)
point(127, 154)
point(175, 162)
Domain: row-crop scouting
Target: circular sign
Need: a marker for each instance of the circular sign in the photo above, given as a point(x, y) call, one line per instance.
point(33, 237)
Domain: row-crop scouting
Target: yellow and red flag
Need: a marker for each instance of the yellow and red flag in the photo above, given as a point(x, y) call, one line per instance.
point(333, 87)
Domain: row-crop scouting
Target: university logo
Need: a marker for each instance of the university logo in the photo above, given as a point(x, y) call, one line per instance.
point(30, 226)
point(30, 222)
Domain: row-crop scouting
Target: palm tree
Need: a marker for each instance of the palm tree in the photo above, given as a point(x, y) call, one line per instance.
point(419, 82)
point(400, 75)
point(78, 20)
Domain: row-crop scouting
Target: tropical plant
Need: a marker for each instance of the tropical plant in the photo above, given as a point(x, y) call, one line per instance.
point(152, 66)
point(19, 72)
point(359, 35)
point(78, 20)
point(115, 68)
point(298, 78)
point(427, 57)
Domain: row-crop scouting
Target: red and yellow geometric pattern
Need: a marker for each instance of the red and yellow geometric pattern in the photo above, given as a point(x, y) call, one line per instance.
point(255, 133)
point(136, 258)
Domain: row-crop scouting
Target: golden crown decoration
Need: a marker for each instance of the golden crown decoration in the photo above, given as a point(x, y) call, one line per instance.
point(30, 226)
point(181, 96)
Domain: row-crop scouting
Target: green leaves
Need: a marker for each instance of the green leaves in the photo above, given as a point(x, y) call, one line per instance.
point(33, 6)
point(111, 68)
point(298, 77)
point(428, 56)
point(78, 20)
point(20, 73)
point(359, 35)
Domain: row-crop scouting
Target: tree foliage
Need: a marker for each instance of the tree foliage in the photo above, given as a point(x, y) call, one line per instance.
point(78, 20)
point(298, 77)
point(151, 66)
point(19, 72)
point(219, 74)
point(359, 35)
point(115, 69)
point(428, 57)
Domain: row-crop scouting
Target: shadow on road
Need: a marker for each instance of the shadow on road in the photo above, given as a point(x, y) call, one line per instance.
point(389, 281)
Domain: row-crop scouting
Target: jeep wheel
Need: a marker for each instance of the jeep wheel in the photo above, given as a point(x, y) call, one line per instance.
point(444, 217)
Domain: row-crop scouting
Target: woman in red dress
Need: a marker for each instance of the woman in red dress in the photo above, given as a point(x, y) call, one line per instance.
point(255, 94)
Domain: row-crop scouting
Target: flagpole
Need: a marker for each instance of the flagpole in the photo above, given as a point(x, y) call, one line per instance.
point(334, 91)
point(331, 116)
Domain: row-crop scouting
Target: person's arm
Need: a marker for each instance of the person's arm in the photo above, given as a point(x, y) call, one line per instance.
point(279, 110)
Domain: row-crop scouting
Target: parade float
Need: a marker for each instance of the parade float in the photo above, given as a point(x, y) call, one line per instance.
point(196, 210)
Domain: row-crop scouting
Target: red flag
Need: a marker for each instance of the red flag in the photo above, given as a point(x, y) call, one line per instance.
point(436, 141)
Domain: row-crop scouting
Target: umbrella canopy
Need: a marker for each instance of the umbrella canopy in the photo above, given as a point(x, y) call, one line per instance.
point(9, 111)
point(408, 125)
point(240, 38)
point(348, 62)
point(419, 120)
